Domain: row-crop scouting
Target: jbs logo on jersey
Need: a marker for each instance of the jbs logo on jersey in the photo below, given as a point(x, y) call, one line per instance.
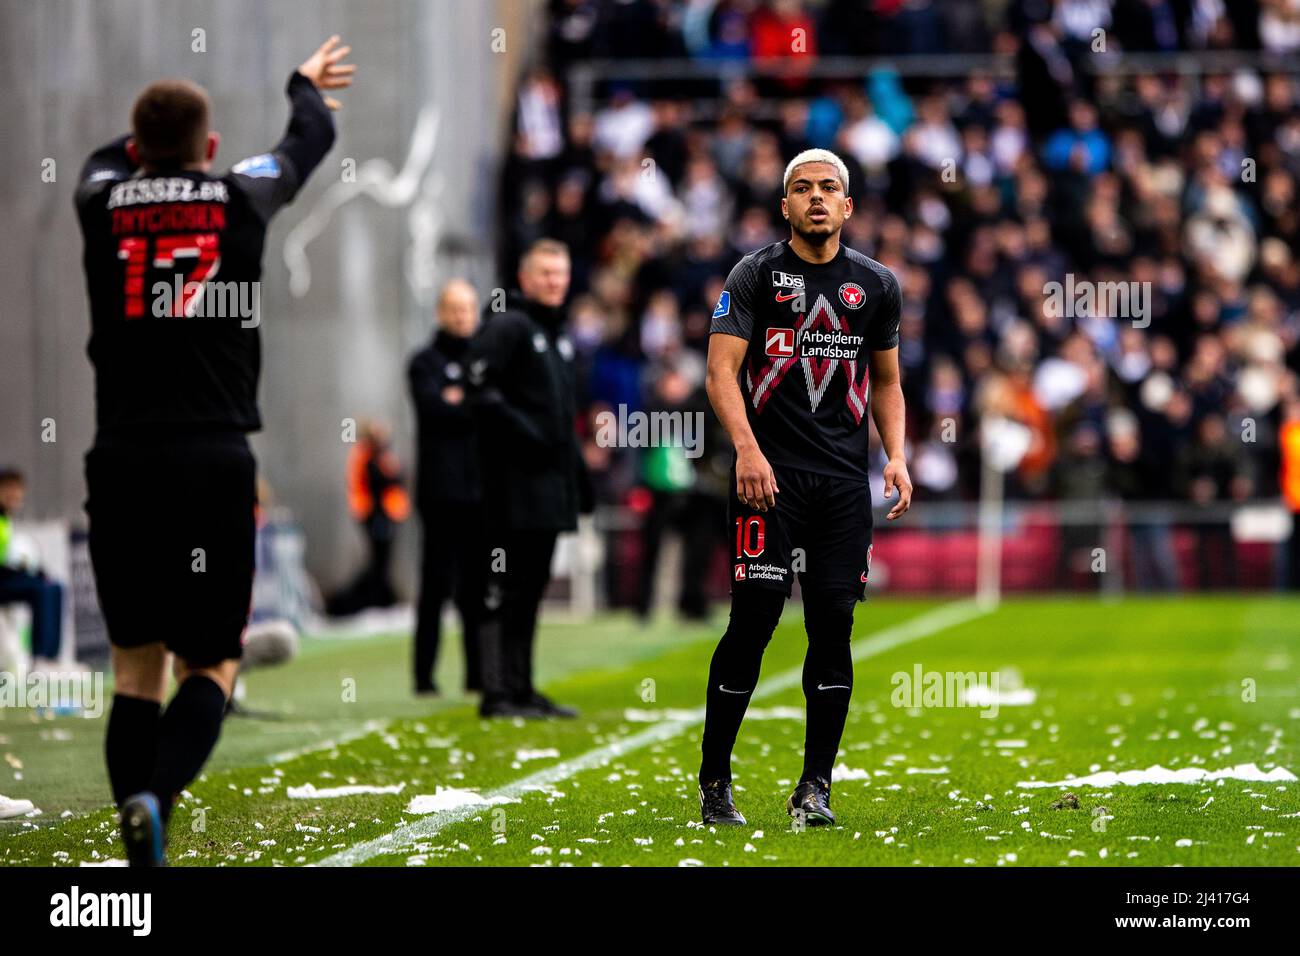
point(784, 280)
point(780, 343)
point(852, 295)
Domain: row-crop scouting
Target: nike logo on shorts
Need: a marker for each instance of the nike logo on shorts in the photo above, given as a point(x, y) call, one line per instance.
point(723, 688)
point(833, 687)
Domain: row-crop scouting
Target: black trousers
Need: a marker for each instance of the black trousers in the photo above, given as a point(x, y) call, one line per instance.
point(454, 565)
point(373, 586)
point(697, 518)
point(519, 569)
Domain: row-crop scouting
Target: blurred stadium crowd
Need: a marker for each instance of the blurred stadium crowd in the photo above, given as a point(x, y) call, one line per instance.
point(978, 191)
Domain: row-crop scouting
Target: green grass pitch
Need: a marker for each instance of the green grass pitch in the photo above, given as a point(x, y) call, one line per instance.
point(1191, 684)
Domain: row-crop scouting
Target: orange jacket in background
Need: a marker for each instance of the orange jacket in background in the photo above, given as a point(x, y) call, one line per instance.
point(1289, 440)
point(376, 474)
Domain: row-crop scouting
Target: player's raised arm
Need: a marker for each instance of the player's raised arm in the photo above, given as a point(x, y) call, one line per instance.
point(272, 179)
point(326, 69)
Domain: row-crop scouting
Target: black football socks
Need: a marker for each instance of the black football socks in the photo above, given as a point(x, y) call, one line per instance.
point(733, 673)
point(827, 681)
point(189, 730)
point(131, 744)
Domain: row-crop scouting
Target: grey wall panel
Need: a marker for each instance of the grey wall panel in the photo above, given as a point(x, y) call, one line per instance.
point(71, 69)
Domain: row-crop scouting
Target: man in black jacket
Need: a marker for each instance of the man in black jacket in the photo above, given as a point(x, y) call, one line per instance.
point(521, 365)
point(448, 492)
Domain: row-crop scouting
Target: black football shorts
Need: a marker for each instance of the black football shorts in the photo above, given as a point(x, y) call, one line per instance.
point(820, 529)
point(172, 542)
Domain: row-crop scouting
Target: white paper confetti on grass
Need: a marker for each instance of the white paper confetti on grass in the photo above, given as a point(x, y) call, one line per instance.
point(309, 792)
point(13, 807)
point(449, 798)
point(523, 755)
point(845, 772)
point(981, 695)
point(1159, 774)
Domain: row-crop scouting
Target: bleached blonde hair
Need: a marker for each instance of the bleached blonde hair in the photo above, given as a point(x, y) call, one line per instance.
point(817, 156)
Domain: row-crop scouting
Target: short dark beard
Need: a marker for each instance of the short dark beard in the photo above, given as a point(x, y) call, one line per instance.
point(815, 238)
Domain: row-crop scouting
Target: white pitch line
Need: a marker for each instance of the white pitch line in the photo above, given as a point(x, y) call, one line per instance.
point(923, 625)
point(365, 730)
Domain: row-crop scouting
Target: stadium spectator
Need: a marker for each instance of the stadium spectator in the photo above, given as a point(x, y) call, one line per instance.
point(1214, 469)
point(676, 499)
point(1290, 480)
point(448, 489)
point(379, 503)
point(23, 584)
point(1136, 475)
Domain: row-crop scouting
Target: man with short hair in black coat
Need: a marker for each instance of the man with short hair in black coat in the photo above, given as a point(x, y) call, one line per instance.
point(534, 482)
point(448, 491)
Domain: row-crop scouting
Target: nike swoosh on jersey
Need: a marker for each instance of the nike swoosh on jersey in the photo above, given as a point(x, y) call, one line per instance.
point(787, 298)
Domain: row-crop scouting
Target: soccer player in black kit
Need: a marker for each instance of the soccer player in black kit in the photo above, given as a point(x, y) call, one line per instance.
point(170, 477)
point(804, 340)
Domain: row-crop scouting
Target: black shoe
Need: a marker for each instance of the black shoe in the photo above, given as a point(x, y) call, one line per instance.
point(716, 805)
point(142, 830)
point(505, 707)
point(426, 690)
point(547, 706)
point(812, 798)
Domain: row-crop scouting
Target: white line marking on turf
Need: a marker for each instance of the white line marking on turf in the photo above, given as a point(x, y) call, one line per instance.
point(923, 625)
point(365, 730)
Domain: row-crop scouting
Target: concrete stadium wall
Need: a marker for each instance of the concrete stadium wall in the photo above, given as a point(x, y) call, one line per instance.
point(72, 69)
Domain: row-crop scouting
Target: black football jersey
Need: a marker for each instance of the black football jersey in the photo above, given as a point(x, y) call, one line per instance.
point(172, 261)
point(810, 328)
